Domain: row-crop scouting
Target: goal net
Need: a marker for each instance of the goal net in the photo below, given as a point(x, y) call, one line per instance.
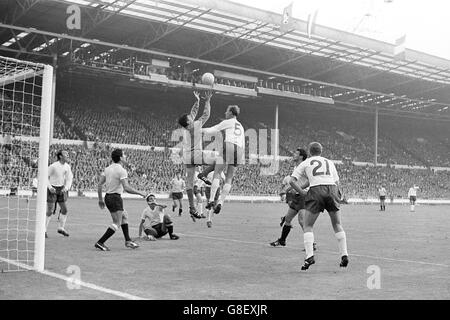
point(25, 102)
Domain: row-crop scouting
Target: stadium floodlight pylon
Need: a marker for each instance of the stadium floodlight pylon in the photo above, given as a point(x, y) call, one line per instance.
point(25, 101)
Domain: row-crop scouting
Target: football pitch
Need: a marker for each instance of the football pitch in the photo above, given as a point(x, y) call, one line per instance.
point(394, 254)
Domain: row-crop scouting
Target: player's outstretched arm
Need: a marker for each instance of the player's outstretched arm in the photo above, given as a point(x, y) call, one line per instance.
point(101, 182)
point(207, 109)
point(129, 189)
point(196, 105)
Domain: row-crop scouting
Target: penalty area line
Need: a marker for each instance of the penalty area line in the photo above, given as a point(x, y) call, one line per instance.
point(74, 282)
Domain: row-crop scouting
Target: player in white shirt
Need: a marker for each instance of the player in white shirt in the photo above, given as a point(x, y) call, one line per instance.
point(382, 194)
point(208, 196)
point(176, 192)
point(116, 179)
point(323, 194)
point(231, 153)
point(412, 195)
point(198, 192)
point(295, 201)
point(159, 223)
point(193, 154)
point(59, 183)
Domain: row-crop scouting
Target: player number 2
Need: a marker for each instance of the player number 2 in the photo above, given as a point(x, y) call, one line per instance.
point(318, 166)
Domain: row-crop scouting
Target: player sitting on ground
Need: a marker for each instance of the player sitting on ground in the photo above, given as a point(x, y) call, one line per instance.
point(323, 194)
point(192, 145)
point(295, 201)
point(231, 154)
point(159, 222)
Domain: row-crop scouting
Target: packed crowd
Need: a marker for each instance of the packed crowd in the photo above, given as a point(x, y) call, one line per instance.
point(152, 170)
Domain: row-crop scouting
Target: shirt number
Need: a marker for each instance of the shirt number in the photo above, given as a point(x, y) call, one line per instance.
point(237, 129)
point(315, 171)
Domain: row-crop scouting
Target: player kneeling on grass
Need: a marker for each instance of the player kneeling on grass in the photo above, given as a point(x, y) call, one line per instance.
point(160, 222)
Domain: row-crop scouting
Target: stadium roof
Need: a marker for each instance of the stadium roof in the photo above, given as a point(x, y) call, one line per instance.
point(354, 70)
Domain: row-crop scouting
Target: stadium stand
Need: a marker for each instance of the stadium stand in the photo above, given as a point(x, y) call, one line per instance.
point(137, 120)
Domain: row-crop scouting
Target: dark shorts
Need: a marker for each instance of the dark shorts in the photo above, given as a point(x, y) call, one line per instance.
point(59, 196)
point(412, 198)
point(160, 229)
point(208, 193)
point(232, 154)
point(177, 195)
point(321, 198)
point(382, 197)
point(297, 202)
point(114, 202)
point(198, 190)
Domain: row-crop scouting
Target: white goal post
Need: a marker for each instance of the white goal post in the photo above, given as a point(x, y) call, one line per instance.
point(25, 102)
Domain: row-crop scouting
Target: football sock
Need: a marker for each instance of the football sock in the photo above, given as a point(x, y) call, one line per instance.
point(225, 191)
point(308, 241)
point(47, 221)
point(342, 242)
point(200, 207)
point(170, 230)
point(285, 232)
point(125, 231)
point(412, 207)
point(62, 221)
point(214, 186)
point(190, 194)
point(109, 232)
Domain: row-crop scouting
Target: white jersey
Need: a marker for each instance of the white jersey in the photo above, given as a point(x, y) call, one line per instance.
point(382, 192)
point(60, 175)
point(35, 183)
point(318, 170)
point(412, 192)
point(177, 185)
point(154, 216)
point(114, 175)
point(234, 131)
